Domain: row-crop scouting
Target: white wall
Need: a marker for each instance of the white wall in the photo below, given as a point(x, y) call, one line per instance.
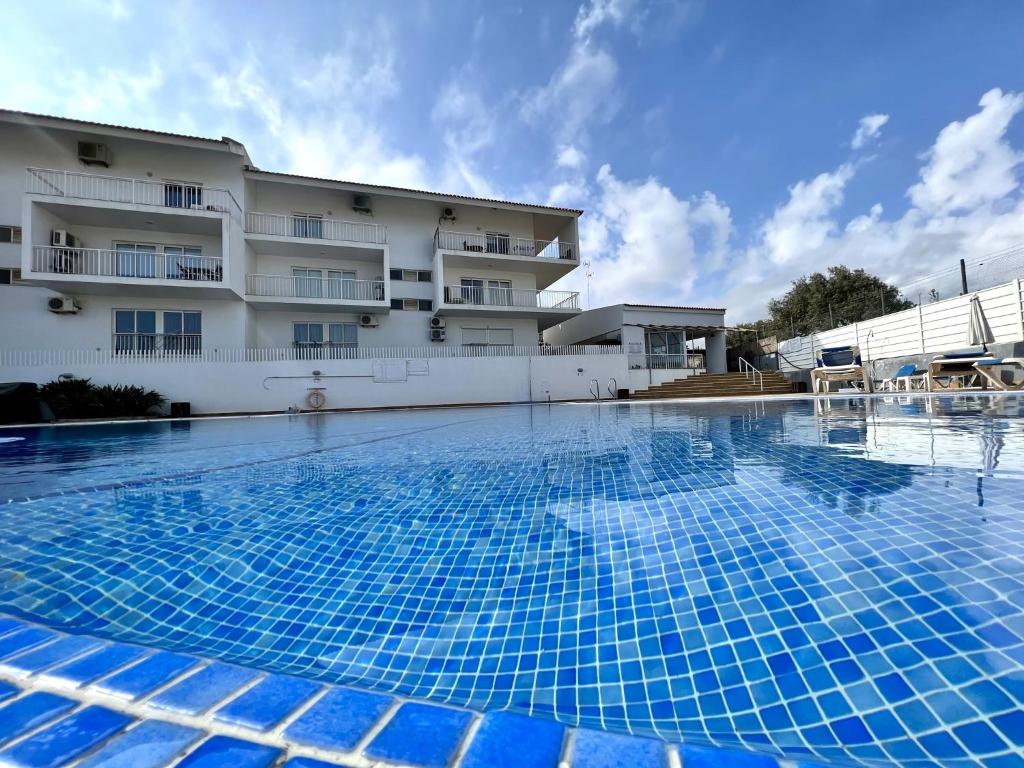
point(273, 387)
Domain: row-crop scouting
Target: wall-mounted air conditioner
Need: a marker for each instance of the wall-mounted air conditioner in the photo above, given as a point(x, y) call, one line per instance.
point(63, 238)
point(63, 305)
point(438, 322)
point(438, 334)
point(361, 204)
point(94, 153)
point(368, 321)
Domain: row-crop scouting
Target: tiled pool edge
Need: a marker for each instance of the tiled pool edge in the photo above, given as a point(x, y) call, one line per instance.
point(383, 729)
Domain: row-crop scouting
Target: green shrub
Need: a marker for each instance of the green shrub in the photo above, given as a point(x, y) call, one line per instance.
point(71, 398)
point(81, 399)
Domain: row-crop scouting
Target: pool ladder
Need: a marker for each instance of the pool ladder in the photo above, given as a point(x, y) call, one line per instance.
point(612, 387)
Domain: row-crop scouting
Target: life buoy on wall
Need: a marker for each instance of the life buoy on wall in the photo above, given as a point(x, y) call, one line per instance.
point(316, 399)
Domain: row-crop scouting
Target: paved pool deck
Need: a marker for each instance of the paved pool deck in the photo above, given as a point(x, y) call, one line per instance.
point(72, 700)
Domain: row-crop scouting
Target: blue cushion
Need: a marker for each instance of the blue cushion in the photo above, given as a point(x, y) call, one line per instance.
point(994, 361)
point(906, 370)
point(960, 355)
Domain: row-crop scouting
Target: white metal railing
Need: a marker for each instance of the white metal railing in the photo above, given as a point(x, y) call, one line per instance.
point(140, 265)
point(115, 189)
point(504, 245)
point(751, 373)
point(923, 330)
point(510, 297)
point(659, 361)
point(150, 344)
point(62, 357)
point(315, 227)
point(285, 286)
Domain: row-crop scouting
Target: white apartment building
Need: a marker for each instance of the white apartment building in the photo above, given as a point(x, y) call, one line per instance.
point(128, 242)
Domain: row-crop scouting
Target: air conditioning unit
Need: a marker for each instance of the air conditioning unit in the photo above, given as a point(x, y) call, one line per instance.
point(63, 305)
point(437, 322)
point(93, 153)
point(361, 204)
point(368, 321)
point(63, 238)
point(437, 334)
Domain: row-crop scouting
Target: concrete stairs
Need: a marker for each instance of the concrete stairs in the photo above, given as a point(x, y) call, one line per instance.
point(718, 385)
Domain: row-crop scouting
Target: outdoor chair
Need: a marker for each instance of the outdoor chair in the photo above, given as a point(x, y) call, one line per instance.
point(956, 365)
point(991, 369)
point(838, 364)
point(905, 376)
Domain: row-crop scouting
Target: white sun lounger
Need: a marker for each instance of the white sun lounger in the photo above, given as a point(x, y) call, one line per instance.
point(955, 365)
point(990, 370)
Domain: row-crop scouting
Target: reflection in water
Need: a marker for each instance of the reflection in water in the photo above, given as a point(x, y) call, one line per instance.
point(712, 571)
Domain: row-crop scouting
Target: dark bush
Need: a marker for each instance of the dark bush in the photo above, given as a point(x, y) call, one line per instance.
point(81, 399)
point(71, 398)
point(127, 400)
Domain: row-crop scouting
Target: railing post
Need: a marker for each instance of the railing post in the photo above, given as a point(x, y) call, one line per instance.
point(1020, 308)
point(920, 327)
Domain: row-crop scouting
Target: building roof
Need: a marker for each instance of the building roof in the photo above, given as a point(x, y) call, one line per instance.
point(675, 307)
point(411, 191)
point(227, 143)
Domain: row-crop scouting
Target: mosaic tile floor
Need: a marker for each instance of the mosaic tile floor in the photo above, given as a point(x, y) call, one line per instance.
point(840, 579)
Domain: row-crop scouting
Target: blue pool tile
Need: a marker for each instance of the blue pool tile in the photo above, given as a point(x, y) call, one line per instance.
point(851, 731)
point(509, 740)
point(228, 752)
point(198, 692)
point(268, 703)
point(7, 690)
point(979, 738)
point(421, 735)
point(339, 719)
point(49, 655)
point(8, 625)
point(704, 757)
point(96, 664)
point(151, 673)
point(599, 749)
point(22, 640)
point(66, 739)
point(29, 712)
point(151, 744)
point(308, 762)
point(1012, 726)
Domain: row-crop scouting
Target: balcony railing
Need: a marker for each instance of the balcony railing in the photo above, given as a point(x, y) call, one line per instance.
point(504, 245)
point(510, 297)
point(153, 344)
point(114, 189)
point(315, 227)
point(284, 286)
point(326, 350)
point(141, 265)
point(659, 361)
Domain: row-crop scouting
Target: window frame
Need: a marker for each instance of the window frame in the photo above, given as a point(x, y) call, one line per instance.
point(15, 234)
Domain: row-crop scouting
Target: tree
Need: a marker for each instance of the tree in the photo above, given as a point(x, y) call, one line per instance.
point(819, 302)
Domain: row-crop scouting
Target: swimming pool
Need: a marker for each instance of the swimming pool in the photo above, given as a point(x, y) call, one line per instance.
point(843, 577)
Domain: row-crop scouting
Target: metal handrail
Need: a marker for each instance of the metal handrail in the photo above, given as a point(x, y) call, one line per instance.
point(291, 286)
point(504, 245)
point(595, 389)
point(750, 372)
point(315, 228)
point(510, 297)
point(139, 265)
point(613, 390)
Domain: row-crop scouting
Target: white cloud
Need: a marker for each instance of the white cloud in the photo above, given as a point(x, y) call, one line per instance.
point(971, 164)
point(594, 14)
point(868, 128)
point(468, 127)
point(570, 156)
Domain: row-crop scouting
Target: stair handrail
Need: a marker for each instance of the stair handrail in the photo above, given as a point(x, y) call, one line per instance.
point(595, 389)
point(613, 391)
point(750, 372)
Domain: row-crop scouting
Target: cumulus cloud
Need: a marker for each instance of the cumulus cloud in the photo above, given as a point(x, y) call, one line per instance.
point(867, 129)
point(594, 14)
point(570, 156)
point(468, 127)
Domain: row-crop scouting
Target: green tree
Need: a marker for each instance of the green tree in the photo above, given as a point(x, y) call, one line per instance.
point(819, 302)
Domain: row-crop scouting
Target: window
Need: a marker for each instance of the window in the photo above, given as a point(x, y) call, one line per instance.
point(487, 337)
point(307, 225)
point(171, 262)
point(308, 282)
point(418, 305)
point(10, 234)
point(426, 305)
point(135, 260)
point(395, 274)
point(183, 194)
point(424, 276)
point(183, 332)
point(319, 283)
point(136, 331)
point(497, 242)
point(412, 275)
point(315, 338)
point(499, 292)
point(471, 292)
point(185, 262)
point(9, 276)
point(397, 304)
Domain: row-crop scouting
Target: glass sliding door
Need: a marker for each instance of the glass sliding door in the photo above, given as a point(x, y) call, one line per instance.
point(308, 283)
point(135, 260)
point(499, 292)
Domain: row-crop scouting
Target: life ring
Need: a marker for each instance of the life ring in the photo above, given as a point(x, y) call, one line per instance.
point(316, 399)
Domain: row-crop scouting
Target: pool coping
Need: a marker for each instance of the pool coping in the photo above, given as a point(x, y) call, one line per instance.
point(575, 746)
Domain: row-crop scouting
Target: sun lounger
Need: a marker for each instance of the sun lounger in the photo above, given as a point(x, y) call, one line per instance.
point(956, 365)
point(838, 364)
point(906, 376)
point(991, 369)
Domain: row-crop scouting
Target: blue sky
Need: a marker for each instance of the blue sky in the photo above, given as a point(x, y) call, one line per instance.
point(712, 144)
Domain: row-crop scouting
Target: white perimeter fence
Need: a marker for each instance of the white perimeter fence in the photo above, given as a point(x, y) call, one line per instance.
point(925, 329)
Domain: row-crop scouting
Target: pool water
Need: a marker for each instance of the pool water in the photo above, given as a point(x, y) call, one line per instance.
point(842, 578)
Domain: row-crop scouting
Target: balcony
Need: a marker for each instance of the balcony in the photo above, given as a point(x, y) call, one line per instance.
point(93, 270)
point(285, 292)
point(548, 260)
point(178, 197)
point(549, 307)
point(157, 344)
point(314, 236)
